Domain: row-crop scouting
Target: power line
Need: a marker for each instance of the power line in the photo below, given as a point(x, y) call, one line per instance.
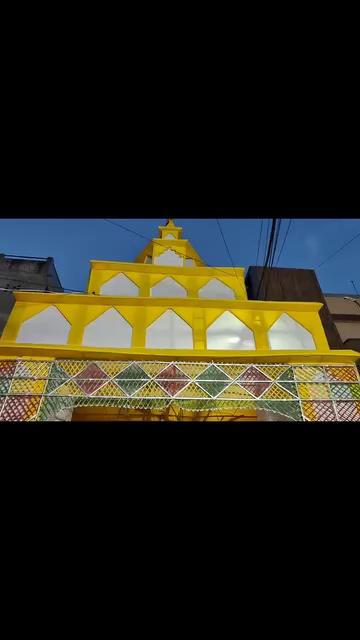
point(276, 239)
point(283, 244)
point(259, 242)
point(272, 257)
point(271, 240)
point(267, 237)
point(228, 250)
point(337, 251)
point(6, 278)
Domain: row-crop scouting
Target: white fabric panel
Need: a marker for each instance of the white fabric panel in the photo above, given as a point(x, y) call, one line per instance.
point(229, 333)
point(216, 289)
point(170, 237)
point(169, 258)
point(119, 285)
point(47, 327)
point(168, 288)
point(286, 333)
point(108, 330)
point(169, 332)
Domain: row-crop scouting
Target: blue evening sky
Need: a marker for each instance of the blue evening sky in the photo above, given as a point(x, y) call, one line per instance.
point(74, 242)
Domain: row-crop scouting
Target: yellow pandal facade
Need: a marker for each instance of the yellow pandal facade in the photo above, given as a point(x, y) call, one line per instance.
point(167, 337)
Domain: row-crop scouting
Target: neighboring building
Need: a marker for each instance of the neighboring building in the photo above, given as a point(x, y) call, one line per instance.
point(298, 285)
point(169, 338)
point(24, 273)
point(345, 313)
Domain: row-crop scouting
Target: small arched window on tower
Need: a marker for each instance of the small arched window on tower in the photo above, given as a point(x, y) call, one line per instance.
point(286, 334)
point(169, 332)
point(169, 258)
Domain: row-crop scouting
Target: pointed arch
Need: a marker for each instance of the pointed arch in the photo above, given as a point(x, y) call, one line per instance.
point(169, 258)
point(229, 333)
point(169, 332)
point(47, 327)
point(168, 288)
point(286, 333)
point(119, 285)
point(217, 290)
point(108, 330)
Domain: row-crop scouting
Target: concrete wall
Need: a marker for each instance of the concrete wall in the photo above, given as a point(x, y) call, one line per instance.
point(339, 305)
point(349, 330)
point(346, 315)
point(23, 273)
point(292, 285)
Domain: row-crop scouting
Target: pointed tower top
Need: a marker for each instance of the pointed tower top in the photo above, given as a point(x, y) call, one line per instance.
point(170, 231)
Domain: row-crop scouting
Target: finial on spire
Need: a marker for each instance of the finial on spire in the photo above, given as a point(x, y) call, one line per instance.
point(169, 221)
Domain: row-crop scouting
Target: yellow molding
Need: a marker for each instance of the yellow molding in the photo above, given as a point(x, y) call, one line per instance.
point(214, 272)
point(258, 305)
point(39, 351)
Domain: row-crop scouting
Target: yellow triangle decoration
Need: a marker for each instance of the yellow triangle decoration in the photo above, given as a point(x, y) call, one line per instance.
point(234, 392)
point(192, 370)
point(151, 390)
point(110, 389)
point(153, 368)
point(113, 368)
point(37, 369)
point(72, 368)
point(68, 389)
point(272, 371)
point(193, 391)
point(277, 393)
point(233, 370)
point(28, 386)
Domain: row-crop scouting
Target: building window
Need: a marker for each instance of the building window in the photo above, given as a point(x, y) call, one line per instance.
point(169, 332)
point(286, 334)
point(189, 262)
point(168, 288)
point(229, 333)
point(169, 258)
point(47, 327)
point(170, 237)
point(108, 330)
point(119, 285)
point(216, 289)
point(148, 260)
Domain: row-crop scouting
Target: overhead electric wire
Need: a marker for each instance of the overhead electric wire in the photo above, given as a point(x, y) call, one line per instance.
point(269, 250)
point(228, 251)
point(276, 239)
point(267, 238)
point(272, 257)
point(259, 242)
point(283, 244)
point(337, 251)
point(5, 277)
